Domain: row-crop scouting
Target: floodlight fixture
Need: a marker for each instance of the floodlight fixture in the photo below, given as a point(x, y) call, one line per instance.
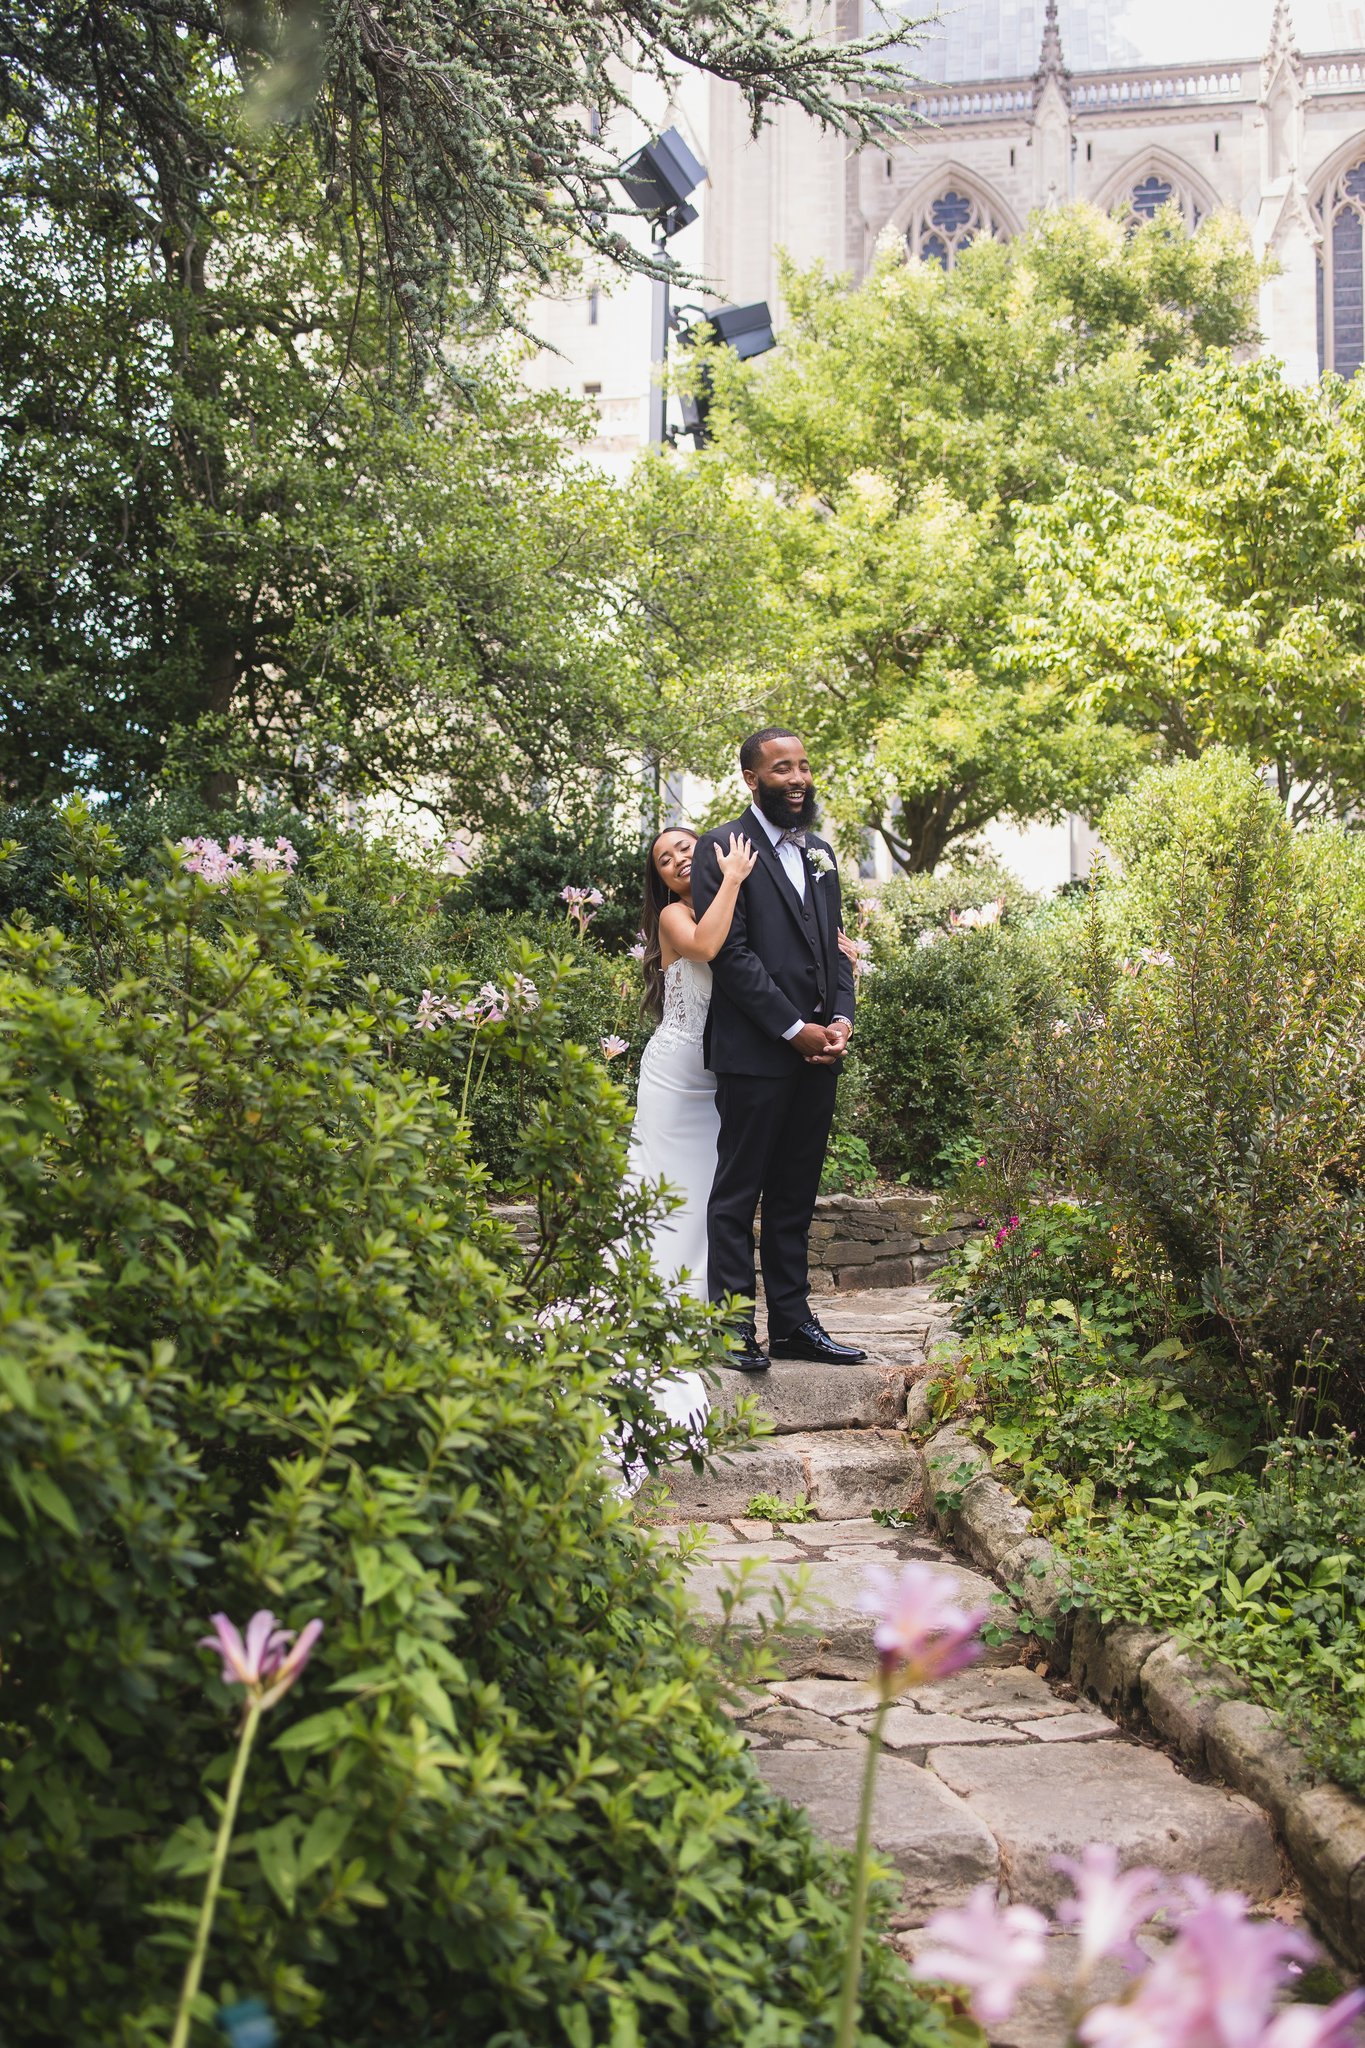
point(748, 330)
point(659, 178)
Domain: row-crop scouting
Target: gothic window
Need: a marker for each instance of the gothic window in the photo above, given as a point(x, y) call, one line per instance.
point(1150, 195)
point(1341, 278)
point(947, 225)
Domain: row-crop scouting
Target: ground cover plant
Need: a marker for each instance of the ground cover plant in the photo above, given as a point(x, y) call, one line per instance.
point(263, 1344)
point(1162, 1312)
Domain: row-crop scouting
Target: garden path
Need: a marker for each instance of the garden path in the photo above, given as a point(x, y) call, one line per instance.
point(987, 1776)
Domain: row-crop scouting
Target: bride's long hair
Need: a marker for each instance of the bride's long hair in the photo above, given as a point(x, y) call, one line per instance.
point(658, 896)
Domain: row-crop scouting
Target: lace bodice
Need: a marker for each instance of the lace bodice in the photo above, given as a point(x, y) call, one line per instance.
point(687, 998)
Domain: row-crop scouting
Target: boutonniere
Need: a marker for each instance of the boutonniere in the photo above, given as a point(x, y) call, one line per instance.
point(821, 864)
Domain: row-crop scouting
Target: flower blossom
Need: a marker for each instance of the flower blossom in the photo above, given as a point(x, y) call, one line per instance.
point(262, 1661)
point(1109, 1904)
point(978, 919)
point(218, 865)
point(1006, 1231)
point(993, 1952)
point(612, 1045)
point(1156, 956)
point(921, 1634)
point(525, 994)
point(1215, 1986)
point(1318, 2026)
point(927, 938)
point(489, 1006)
point(637, 951)
point(1060, 1028)
point(582, 904)
point(433, 1010)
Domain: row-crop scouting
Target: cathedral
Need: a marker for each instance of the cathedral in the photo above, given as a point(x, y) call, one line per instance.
point(1023, 104)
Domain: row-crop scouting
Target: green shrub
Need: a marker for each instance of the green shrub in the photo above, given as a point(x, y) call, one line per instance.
point(931, 1020)
point(1269, 1575)
point(522, 872)
point(1210, 1094)
point(261, 1343)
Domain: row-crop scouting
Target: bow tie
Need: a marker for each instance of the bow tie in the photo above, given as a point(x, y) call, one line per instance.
point(796, 839)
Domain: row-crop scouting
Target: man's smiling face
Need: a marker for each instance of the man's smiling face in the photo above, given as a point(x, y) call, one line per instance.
point(782, 784)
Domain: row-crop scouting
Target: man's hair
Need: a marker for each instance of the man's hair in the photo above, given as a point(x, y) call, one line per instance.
point(753, 747)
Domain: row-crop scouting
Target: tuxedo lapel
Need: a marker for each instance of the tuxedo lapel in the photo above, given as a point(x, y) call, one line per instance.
point(767, 853)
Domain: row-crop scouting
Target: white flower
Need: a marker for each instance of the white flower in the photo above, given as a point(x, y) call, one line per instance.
point(820, 862)
point(1061, 1028)
point(613, 1045)
point(1156, 956)
point(927, 938)
point(978, 919)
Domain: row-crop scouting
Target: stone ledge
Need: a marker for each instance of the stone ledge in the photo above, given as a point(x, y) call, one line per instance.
point(1189, 1700)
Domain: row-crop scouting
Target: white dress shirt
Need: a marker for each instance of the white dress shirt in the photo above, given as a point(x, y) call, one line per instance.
point(794, 868)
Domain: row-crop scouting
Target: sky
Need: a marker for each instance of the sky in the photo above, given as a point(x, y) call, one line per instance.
point(1198, 30)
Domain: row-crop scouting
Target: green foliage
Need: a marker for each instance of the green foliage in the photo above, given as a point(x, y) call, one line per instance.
point(261, 1340)
point(524, 868)
point(848, 1167)
point(768, 1507)
point(443, 143)
point(1214, 593)
point(1269, 1575)
point(883, 453)
point(1209, 1089)
point(931, 1019)
point(1079, 1364)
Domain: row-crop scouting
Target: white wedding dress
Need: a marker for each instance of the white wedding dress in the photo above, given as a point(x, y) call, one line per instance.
point(674, 1140)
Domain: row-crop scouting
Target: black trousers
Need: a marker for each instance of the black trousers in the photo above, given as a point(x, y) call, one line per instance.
point(773, 1132)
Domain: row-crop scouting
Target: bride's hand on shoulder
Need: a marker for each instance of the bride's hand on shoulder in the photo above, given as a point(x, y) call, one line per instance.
point(738, 858)
point(847, 946)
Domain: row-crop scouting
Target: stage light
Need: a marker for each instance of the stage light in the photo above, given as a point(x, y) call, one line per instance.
point(659, 178)
point(748, 330)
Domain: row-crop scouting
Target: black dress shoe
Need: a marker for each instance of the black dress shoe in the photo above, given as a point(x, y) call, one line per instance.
point(808, 1340)
point(744, 1355)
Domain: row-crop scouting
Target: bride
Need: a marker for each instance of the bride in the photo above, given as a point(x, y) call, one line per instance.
point(676, 1121)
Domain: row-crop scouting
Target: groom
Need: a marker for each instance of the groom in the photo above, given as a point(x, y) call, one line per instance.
point(781, 1017)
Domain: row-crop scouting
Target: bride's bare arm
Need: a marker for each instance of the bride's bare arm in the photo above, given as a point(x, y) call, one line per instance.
point(690, 938)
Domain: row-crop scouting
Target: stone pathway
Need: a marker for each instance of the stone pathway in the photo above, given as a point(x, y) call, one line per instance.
point(987, 1776)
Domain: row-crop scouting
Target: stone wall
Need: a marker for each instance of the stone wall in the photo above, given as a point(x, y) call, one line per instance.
point(879, 1240)
point(855, 1241)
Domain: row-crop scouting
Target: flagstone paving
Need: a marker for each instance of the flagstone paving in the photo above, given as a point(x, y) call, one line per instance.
point(987, 1776)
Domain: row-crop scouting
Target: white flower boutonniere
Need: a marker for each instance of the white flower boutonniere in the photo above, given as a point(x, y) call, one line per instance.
point(821, 864)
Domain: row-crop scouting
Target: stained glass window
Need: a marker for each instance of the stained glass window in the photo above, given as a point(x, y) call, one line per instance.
point(1150, 195)
point(1341, 277)
point(947, 225)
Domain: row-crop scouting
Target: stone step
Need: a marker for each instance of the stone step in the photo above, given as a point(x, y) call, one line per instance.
point(835, 1637)
point(838, 1472)
point(798, 1395)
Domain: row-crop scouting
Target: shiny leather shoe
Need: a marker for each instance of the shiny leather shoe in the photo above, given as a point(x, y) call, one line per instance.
point(745, 1355)
point(809, 1340)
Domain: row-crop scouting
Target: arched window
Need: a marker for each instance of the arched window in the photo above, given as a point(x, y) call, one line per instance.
point(1341, 275)
point(943, 227)
point(1149, 195)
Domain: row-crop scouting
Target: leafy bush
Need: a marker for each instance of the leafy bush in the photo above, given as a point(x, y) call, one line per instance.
point(1078, 1367)
point(523, 871)
point(932, 1019)
point(261, 1341)
point(1210, 1091)
point(1269, 1575)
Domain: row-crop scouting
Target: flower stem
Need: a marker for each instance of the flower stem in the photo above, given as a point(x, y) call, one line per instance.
point(857, 1918)
point(194, 1969)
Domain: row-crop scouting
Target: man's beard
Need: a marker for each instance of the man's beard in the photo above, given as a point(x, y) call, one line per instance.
point(771, 799)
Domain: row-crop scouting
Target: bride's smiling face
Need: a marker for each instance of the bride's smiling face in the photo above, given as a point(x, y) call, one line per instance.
point(673, 853)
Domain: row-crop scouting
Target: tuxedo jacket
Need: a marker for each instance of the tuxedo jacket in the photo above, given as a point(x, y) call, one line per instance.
point(781, 963)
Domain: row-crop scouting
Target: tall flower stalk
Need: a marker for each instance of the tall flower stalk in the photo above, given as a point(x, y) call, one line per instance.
point(265, 1665)
point(920, 1635)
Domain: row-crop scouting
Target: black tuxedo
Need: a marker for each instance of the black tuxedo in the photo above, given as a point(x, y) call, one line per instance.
point(780, 965)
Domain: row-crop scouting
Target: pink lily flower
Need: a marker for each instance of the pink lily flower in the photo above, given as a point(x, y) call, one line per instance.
point(1319, 2026)
point(262, 1661)
point(1214, 1987)
point(921, 1634)
point(993, 1952)
point(1110, 1905)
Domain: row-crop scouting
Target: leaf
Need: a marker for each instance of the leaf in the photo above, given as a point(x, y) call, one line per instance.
point(50, 1498)
point(1169, 1347)
point(327, 1831)
point(278, 1860)
point(315, 1731)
